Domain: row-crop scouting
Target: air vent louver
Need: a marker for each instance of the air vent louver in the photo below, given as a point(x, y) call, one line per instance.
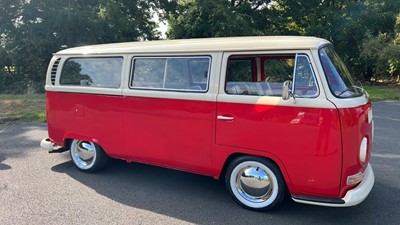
point(54, 71)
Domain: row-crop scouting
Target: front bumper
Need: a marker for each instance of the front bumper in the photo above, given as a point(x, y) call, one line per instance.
point(353, 197)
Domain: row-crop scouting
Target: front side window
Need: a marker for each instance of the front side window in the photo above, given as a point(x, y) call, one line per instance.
point(264, 75)
point(341, 83)
point(277, 70)
point(92, 72)
point(305, 84)
point(240, 70)
point(171, 73)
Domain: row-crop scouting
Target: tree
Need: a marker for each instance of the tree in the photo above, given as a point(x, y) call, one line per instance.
point(347, 24)
point(32, 30)
point(218, 18)
point(363, 31)
point(127, 20)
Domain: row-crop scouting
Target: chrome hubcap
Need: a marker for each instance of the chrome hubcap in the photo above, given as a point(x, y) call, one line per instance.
point(83, 153)
point(254, 184)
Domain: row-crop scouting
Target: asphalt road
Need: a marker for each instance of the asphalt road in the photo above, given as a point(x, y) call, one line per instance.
point(41, 188)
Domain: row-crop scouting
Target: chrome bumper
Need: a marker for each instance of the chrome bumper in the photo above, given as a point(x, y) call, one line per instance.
point(47, 144)
point(353, 197)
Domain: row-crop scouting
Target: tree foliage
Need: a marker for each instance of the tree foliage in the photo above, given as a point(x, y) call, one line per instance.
point(352, 25)
point(218, 18)
point(32, 30)
point(381, 53)
point(365, 32)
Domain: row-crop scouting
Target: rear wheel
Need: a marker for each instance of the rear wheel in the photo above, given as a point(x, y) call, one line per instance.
point(88, 156)
point(255, 183)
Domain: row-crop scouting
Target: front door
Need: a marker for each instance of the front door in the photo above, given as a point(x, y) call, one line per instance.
point(302, 132)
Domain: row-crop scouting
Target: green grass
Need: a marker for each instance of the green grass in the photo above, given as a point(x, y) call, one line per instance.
point(16, 109)
point(383, 93)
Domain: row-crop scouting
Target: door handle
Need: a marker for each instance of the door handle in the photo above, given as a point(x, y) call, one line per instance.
point(227, 118)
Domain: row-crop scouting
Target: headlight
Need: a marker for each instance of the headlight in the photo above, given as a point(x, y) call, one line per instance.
point(370, 116)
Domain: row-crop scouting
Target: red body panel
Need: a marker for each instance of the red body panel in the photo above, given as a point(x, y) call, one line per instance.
point(355, 127)
point(306, 143)
point(172, 133)
point(89, 117)
point(305, 140)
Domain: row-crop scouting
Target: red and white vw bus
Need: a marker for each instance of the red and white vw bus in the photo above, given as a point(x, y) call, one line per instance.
point(272, 116)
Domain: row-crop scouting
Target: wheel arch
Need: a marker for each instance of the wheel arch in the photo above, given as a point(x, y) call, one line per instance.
point(68, 138)
point(67, 143)
point(273, 159)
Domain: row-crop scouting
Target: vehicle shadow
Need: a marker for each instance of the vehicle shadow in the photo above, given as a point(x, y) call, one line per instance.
point(3, 166)
point(24, 134)
point(202, 200)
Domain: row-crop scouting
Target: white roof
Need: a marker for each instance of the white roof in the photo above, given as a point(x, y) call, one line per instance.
point(202, 45)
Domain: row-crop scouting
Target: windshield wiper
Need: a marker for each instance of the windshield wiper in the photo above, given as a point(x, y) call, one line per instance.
point(353, 87)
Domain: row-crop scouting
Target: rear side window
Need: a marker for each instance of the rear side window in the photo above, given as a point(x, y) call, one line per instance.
point(171, 73)
point(92, 72)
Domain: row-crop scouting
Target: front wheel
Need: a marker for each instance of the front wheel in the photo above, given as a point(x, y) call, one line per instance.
point(88, 156)
point(255, 183)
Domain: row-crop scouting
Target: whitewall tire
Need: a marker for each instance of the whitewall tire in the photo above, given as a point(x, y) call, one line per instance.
point(255, 183)
point(87, 156)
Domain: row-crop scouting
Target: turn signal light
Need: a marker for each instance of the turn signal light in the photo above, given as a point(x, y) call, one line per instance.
point(355, 179)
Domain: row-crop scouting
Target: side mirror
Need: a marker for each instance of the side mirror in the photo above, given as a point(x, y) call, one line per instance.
point(287, 90)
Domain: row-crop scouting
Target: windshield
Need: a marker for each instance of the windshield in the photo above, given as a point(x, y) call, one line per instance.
point(340, 81)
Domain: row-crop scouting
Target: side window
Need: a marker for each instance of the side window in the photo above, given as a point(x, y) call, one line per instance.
point(149, 73)
point(259, 75)
point(264, 75)
point(171, 73)
point(175, 76)
point(240, 70)
point(305, 84)
point(92, 72)
point(277, 70)
point(199, 71)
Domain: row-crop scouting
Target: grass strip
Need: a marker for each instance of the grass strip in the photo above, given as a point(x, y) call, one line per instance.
point(383, 93)
point(22, 109)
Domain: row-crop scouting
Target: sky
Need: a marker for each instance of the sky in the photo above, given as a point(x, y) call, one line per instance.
point(162, 25)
